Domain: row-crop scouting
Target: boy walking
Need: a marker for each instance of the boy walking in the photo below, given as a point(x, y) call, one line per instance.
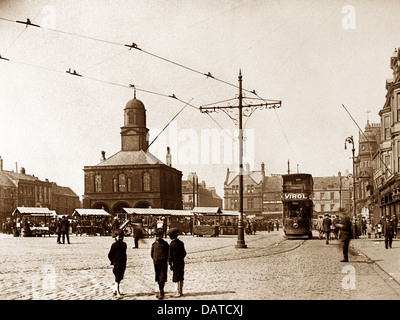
point(176, 257)
point(117, 256)
point(159, 254)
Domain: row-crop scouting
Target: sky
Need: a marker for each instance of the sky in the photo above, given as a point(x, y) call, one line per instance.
point(313, 56)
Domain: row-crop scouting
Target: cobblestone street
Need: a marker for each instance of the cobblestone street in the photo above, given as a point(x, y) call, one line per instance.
point(270, 268)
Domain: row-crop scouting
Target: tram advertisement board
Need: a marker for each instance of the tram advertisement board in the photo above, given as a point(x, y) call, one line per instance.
point(294, 196)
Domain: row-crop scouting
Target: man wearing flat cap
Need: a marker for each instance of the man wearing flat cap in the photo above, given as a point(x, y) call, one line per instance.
point(326, 225)
point(176, 258)
point(388, 232)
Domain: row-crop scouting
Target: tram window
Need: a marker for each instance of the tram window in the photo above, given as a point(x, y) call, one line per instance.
point(297, 210)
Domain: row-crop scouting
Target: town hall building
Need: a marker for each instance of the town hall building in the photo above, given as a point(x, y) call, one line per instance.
point(133, 177)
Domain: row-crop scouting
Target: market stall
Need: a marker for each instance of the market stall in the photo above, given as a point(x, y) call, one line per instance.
point(229, 222)
point(91, 221)
point(33, 221)
point(206, 221)
point(157, 218)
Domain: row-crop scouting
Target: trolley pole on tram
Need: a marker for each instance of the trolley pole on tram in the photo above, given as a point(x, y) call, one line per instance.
point(247, 111)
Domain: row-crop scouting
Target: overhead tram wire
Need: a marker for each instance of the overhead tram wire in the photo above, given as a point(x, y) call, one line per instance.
point(366, 138)
point(131, 46)
point(74, 73)
point(169, 122)
point(17, 37)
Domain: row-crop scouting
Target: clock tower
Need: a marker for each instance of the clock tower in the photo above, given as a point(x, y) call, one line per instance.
point(134, 132)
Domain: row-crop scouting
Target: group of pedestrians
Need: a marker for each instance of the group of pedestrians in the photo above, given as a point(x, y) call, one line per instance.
point(342, 226)
point(327, 226)
point(162, 254)
point(62, 228)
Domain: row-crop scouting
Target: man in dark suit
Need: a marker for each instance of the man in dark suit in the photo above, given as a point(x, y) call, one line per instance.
point(159, 254)
point(65, 229)
point(176, 256)
point(346, 234)
point(326, 225)
point(388, 232)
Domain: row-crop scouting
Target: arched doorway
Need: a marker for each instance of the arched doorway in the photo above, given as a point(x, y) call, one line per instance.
point(119, 207)
point(101, 205)
point(142, 204)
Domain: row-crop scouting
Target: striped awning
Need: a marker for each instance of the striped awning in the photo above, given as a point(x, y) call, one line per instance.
point(33, 211)
point(90, 212)
point(158, 212)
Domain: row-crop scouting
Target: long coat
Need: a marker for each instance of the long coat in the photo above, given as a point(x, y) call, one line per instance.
point(346, 229)
point(176, 256)
point(388, 229)
point(159, 254)
point(64, 225)
point(326, 224)
point(117, 257)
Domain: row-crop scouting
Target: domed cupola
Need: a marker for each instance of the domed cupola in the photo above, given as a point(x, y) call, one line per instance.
point(134, 131)
point(135, 114)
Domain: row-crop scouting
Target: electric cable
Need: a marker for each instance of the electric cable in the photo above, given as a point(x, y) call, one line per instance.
point(131, 46)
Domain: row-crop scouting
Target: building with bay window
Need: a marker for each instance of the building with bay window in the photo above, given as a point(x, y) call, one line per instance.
point(387, 159)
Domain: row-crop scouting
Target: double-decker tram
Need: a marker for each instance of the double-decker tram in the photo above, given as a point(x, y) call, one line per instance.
point(297, 205)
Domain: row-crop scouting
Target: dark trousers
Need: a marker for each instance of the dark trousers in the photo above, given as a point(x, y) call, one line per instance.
point(327, 237)
point(388, 241)
point(59, 237)
point(137, 242)
point(346, 243)
point(65, 233)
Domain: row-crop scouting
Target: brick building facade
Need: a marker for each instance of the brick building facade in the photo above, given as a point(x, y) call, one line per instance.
point(133, 177)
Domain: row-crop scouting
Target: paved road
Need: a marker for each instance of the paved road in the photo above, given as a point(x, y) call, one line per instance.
point(270, 268)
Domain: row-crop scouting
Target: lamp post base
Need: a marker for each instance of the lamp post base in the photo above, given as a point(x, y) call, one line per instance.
point(240, 245)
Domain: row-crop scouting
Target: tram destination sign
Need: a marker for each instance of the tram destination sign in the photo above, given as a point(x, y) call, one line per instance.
point(295, 196)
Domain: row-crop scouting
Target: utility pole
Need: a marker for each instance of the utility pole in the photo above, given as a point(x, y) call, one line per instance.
point(351, 141)
point(249, 109)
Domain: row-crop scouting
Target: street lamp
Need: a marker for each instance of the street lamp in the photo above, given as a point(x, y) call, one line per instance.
point(351, 140)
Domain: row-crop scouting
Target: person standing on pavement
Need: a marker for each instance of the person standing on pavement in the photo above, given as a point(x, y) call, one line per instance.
point(345, 234)
point(117, 257)
point(65, 229)
point(114, 226)
point(58, 230)
point(388, 232)
point(159, 254)
point(326, 226)
point(335, 229)
point(176, 256)
point(138, 230)
point(370, 229)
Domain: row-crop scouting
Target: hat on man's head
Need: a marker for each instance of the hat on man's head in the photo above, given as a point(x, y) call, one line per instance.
point(326, 214)
point(173, 232)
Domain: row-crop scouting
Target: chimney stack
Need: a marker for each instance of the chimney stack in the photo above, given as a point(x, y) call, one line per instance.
point(1, 163)
point(22, 170)
point(103, 156)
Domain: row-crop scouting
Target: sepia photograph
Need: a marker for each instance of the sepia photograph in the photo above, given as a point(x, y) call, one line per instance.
point(198, 156)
